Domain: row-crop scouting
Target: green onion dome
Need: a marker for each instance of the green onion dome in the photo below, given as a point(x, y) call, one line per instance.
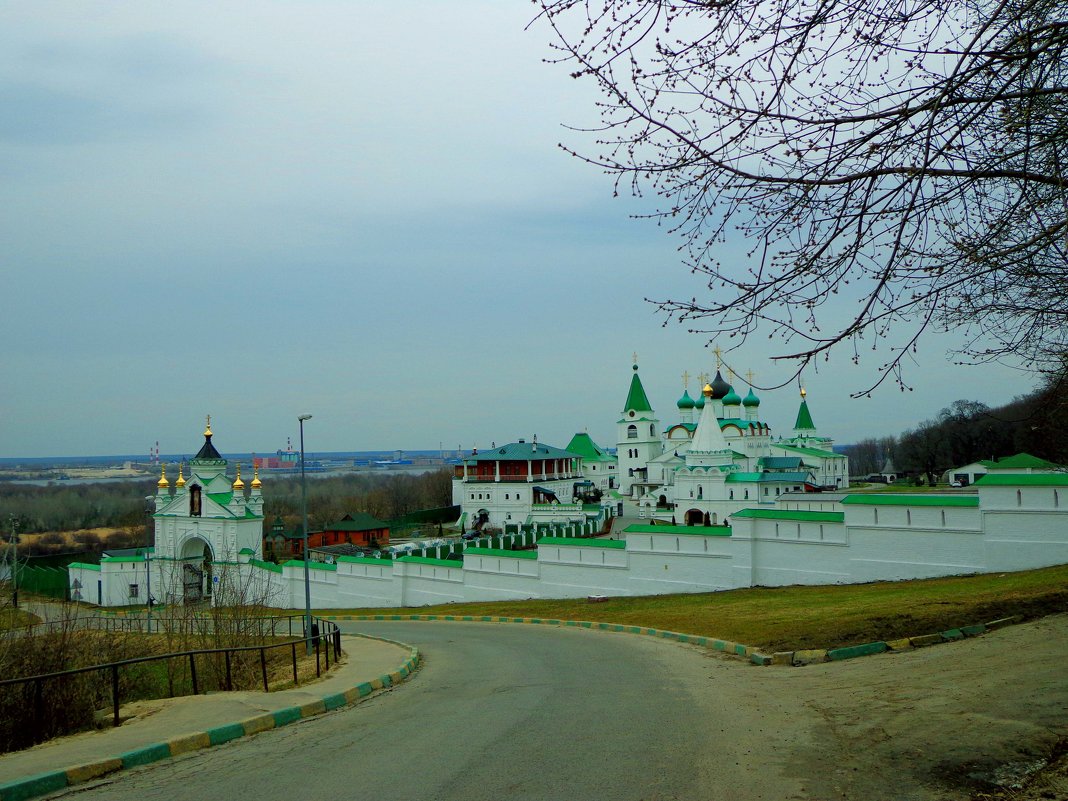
point(751, 400)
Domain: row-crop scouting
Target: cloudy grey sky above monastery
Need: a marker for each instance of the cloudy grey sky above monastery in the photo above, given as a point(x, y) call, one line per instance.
point(353, 210)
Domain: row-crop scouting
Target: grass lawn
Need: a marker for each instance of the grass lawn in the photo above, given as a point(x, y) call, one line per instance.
point(789, 618)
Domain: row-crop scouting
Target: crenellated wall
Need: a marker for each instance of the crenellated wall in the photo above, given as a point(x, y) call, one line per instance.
point(862, 538)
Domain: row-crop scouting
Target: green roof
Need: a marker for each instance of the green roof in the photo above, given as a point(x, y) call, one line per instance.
point(582, 542)
point(84, 566)
point(222, 498)
point(692, 531)
point(1023, 480)
point(914, 499)
point(521, 451)
point(1017, 462)
point(424, 560)
point(799, 515)
point(636, 400)
point(809, 451)
point(500, 552)
point(784, 477)
point(271, 566)
point(804, 418)
point(583, 445)
point(246, 551)
point(356, 521)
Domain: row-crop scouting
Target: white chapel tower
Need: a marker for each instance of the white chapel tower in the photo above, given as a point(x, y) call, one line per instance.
point(638, 441)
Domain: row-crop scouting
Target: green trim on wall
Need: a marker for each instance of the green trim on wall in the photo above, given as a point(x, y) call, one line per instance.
point(582, 542)
point(311, 565)
point(425, 560)
point(687, 531)
point(911, 500)
point(791, 514)
point(1023, 480)
point(501, 552)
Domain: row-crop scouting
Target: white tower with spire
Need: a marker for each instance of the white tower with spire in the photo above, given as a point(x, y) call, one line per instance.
point(638, 438)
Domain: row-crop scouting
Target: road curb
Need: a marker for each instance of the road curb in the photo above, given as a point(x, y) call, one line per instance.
point(752, 655)
point(51, 782)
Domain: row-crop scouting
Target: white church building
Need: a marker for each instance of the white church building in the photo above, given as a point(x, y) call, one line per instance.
point(203, 524)
point(718, 458)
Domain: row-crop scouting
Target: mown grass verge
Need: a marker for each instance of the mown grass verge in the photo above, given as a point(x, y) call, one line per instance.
point(791, 618)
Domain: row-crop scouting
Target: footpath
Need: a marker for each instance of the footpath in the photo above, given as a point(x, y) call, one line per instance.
point(160, 729)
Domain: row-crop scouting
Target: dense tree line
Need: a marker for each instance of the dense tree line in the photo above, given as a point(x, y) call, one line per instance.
point(387, 496)
point(967, 431)
point(121, 505)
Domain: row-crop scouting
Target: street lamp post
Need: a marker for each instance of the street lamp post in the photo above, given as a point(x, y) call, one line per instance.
point(15, 562)
point(304, 518)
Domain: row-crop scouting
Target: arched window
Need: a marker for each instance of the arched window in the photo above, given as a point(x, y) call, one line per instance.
point(632, 431)
point(194, 501)
point(652, 430)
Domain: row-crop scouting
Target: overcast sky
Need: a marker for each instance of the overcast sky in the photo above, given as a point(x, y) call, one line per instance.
point(353, 210)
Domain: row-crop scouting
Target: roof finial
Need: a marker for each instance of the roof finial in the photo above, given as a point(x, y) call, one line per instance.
point(719, 356)
point(685, 379)
point(207, 427)
point(749, 376)
point(703, 378)
point(803, 393)
point(181, 479)
point(256, 483)
point(238, 483)
point(163, 483)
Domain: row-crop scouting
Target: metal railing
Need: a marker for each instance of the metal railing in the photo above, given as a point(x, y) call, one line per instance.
point(325, 635)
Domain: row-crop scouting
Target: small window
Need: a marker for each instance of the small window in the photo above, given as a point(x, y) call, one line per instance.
point(133, 590)
point(1019, 498)
point(943, 518)
point(632, 431)
point(908, 517)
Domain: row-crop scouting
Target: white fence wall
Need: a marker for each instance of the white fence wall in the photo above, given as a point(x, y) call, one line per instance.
point(1007, 531)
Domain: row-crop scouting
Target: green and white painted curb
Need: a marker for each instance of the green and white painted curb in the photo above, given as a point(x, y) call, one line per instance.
point(53, 781)
point(748, 652)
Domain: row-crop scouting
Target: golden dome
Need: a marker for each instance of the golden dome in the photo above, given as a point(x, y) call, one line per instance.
point(163, 483)
point(238, 483)
point(256, 483)
point(707, 391)
point(181, 479)
point(803, 393)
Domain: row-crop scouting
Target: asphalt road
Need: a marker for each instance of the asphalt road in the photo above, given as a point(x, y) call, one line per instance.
point(537, 712)
point(496, 712)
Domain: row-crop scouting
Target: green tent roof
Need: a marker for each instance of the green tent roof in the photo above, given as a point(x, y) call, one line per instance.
point(636, 399)
point(583, 445)
point(804, 418)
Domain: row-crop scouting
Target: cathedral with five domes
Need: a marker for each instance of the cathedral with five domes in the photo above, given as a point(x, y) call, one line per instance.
point(718, 456)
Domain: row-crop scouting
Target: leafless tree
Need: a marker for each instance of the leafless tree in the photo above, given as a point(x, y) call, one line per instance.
point(893, 167)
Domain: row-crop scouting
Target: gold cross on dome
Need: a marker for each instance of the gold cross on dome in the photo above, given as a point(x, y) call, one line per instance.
point(749, 376)
point(731, 375)
point(207, 427)
point(719, 356)
point(703, 378)
point(635, 356)
point(685, 379)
